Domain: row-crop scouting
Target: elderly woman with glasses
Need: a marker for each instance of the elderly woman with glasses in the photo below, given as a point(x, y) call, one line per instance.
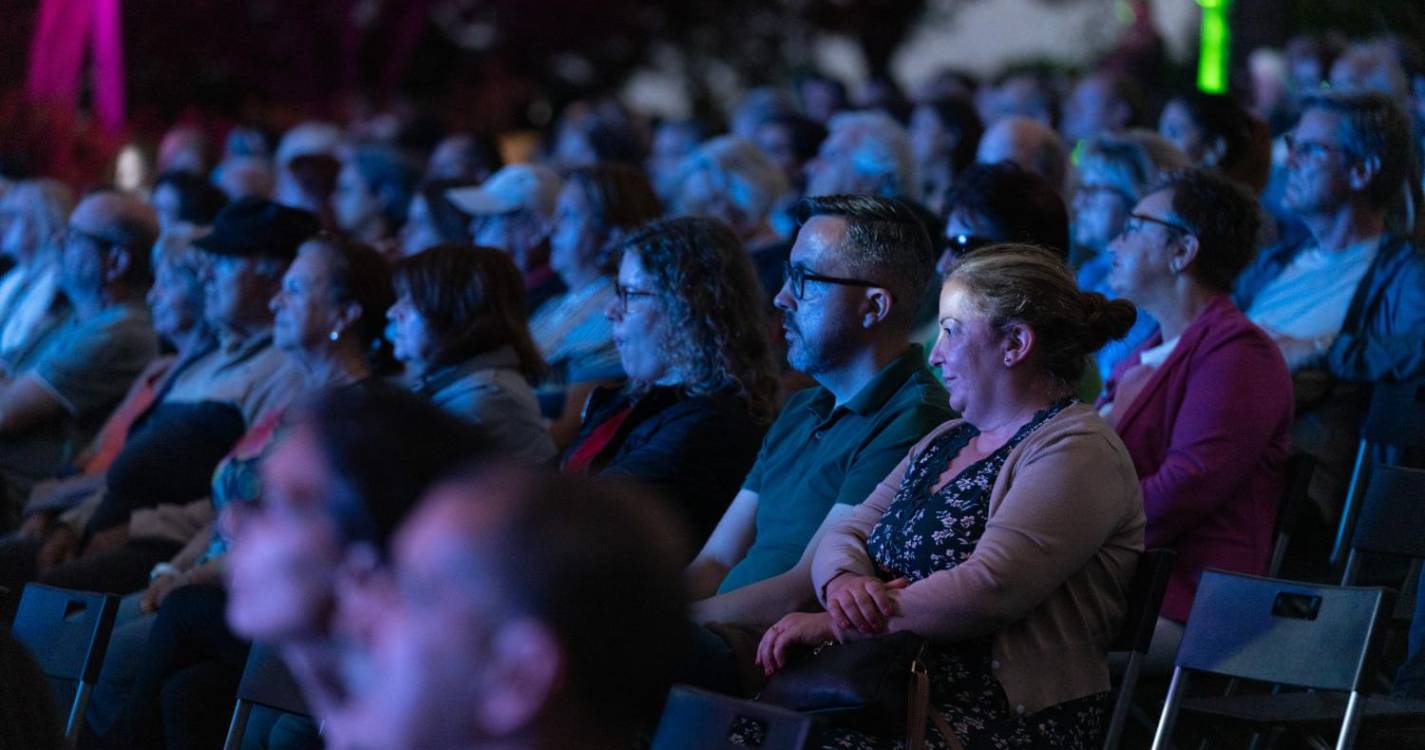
point(1205, 403)
point(701, 381)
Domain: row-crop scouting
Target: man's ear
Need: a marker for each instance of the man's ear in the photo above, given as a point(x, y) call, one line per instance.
point(1363, 172)
point(116, 264)
point(521, 679)
point(877, 306)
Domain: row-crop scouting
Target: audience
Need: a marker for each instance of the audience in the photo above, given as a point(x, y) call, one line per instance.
point(701, 382)
point(464, 157)
point(864, 152)
point(32, 228)
point(944, 135)
point(372, 194)
point(1104, 102)
point(55, 403)
point(514, 211)
point(1006, 538)
point(1345, 304)
point(672, 142)
point(433, 220)
point(597, 206)
point(1002, 202)
point(1216, 132)
point(1204, 404)
point(854, 283)
point(181, 198)
point(486, 639)
point(459, 327)
point(1029, 143)
point(791, 142)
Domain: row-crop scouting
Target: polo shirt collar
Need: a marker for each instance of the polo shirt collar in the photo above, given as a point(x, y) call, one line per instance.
point(874, 394)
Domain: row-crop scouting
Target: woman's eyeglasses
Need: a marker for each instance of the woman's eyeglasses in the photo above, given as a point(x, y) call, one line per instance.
point(627, 295)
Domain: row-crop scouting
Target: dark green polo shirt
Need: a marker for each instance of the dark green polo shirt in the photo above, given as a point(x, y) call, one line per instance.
point(818, 454)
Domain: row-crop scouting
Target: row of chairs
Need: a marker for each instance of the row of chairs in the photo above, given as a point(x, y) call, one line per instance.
point(68, 633)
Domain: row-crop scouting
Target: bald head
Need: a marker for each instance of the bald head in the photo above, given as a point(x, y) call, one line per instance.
point(113, 234)
point(1030, 144)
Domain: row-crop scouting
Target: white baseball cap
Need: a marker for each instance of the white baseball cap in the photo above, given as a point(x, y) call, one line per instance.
point(515, 187)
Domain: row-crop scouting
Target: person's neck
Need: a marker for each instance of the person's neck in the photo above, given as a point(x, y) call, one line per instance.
point(331, 365)
point(1181, 307)
point(847, 380)
point(1339, 230)
point(1013, 407)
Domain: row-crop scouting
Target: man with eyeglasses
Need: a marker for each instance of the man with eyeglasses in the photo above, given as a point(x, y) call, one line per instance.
point(1346, 305)
point(854, 282)
point(54, 407)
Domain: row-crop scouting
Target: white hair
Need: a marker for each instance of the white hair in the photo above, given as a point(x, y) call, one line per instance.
point(749, 179)
point(880, 150)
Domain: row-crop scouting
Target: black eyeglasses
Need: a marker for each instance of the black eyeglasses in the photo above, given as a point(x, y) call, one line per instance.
point(963, 244)
point(626, 295)
point(1136, 221)
point(798, 277)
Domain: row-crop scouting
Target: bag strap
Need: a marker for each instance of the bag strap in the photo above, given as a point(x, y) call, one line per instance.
point(919, 711)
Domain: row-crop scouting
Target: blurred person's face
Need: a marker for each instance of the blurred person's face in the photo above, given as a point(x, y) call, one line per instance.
point(284, 549)
point(775, 141)
point(85, 259)
point(517, 233)
point(832, 171)
point(428, 638)
point(355, 205)
point(236, 292)
point(1089, 110)
point(304, 313)
point(821, 324)
point(19, 237)
point(1318, 168)
point(640, 325)
point(671, 144)
point(176, 301)
point(415, 345)
point(968, 351)
point(700, 195)
point(1099, 210)
point(576, 238)
point(1177, 125)
point(167, 204)
point(1143, 252)
point(419, 231)
point(966, 231)
point(929, 139)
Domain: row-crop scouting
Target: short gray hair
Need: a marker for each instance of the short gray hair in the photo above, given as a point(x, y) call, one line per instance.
point(881, 150)
point(1375, 127)
point(749, 179)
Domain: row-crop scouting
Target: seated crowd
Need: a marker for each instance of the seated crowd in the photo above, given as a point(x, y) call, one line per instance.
point(492, 454)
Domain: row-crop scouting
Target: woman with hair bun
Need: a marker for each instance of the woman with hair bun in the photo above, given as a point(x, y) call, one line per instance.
point(1006, 538)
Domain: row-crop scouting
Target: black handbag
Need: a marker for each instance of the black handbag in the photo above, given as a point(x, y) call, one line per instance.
point(878, 686)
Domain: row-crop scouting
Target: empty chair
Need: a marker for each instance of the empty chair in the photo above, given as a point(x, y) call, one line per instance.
point(696, 719)
point(1391, 520)
point(68, 632)
point(1145, 598)
point(1279, 632)
point(1395, 425)
point(265, 682)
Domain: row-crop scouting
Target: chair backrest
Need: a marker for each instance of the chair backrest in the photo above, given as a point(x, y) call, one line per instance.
point(1145, 599)
point(696, 719)
point(1284, 632)
point(1392, 519)
point(1397, 415)
point(68, 631)
point(266, 681)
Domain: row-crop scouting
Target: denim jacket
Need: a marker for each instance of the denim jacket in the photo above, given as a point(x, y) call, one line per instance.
point(1383, 337)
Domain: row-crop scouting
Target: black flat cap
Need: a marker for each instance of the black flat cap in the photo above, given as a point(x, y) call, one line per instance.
point(256, 227)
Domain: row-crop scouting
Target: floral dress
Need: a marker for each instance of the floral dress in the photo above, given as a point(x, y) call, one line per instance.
point(924, 532)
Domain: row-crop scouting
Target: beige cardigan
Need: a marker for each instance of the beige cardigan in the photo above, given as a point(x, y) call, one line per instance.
point(1048, 578)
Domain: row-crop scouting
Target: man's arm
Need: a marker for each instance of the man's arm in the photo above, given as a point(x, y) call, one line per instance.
point(763, 603)
point(26, 402)
point(725, 548)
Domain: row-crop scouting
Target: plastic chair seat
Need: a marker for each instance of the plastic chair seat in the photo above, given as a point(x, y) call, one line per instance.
point(1319, 710)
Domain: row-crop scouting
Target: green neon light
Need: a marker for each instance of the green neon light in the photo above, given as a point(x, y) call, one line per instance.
point(1216, 40)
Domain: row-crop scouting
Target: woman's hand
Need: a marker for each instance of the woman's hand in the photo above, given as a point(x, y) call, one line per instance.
point(796, 629)
point(862, 603)
point(159, 589)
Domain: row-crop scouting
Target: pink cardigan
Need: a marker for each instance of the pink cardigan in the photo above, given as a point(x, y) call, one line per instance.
point(1209, 436)
point(1049, 575)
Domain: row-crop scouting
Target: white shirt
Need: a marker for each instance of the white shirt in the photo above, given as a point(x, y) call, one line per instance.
point(1310, 298)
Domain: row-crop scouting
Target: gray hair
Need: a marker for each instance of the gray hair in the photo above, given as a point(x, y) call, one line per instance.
point(880, 151)
point(745, 175)
point(1375, 127)
point(46, 202)
point(1131, 162)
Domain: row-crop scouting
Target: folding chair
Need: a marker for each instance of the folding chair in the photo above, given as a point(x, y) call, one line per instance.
point(1391, 520)
point(696, 719)
point(1295, 496)
point(1145, 599)
point(265, 682)
point(68, 633)
point(1280, 632)
point(1394, 422)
